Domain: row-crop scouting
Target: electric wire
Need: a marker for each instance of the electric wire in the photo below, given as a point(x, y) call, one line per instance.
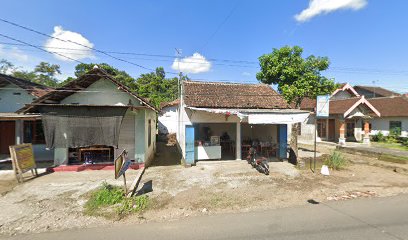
point(79, 44)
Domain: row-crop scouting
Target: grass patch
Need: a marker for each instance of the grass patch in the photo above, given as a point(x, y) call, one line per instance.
point(397, 146)
point(393, 159)
point(336, 160)
point(110, 202)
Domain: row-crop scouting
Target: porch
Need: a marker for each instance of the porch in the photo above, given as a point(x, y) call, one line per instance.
point(228, 134)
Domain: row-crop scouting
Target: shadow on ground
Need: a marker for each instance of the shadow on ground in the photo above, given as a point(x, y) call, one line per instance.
point(166, 155)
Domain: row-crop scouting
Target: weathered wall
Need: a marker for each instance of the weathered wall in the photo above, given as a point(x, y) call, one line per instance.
point(102, 92)
point(168, 120)
point(127, 136)
point(12, 98)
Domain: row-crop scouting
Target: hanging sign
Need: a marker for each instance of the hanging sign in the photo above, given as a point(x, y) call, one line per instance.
point(322, 106)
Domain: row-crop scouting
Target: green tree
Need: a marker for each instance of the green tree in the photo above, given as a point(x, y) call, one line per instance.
point(296, 77)
point(45, 74)
point(121, 76)
point(153, 86)
point(6, 66)
point(157, 87)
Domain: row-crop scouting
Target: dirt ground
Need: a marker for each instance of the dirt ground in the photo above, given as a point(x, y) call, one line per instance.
point(55, 201)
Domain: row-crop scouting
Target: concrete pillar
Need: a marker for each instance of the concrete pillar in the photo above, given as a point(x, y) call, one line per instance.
point(342, 129)
point(19, 131)
point(61, 156)
point(238, 141)
point(366, 138)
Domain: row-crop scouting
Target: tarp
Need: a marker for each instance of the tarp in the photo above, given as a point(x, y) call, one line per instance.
point(81, 126)
point(262, 116)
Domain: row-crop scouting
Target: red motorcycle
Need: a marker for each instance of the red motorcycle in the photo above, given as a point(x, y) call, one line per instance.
point(260, 164)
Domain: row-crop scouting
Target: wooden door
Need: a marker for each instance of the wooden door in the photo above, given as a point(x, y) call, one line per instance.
point(332, 129)
point(7, 136)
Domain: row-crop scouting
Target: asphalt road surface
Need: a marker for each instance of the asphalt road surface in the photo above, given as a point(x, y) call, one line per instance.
point(376, 218)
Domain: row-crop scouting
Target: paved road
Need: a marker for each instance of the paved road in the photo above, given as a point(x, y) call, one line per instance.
point(379, 218)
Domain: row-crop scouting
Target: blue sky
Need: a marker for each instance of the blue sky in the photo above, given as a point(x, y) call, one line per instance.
point(365, 40)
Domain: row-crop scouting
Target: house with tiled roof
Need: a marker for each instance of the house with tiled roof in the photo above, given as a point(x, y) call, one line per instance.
point(95, 118)
point(223, 120)
point(354, 117)
point(18, 128)
point(374, 92)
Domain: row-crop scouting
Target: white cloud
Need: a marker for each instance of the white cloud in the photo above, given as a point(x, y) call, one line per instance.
point(79, 52)
point(193, 64)
point(13, 54)
point(317, 7)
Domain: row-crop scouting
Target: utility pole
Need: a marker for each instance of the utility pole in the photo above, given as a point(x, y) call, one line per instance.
point(374, 82)
point(180, 95)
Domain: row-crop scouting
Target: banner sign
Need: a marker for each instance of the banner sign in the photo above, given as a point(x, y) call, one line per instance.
point(22, 158)
point(322, 106)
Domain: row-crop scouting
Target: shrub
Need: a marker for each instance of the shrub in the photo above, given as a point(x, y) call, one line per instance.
point(379, 137)
point(110, 201)
point(404, 141)
point(335, 160)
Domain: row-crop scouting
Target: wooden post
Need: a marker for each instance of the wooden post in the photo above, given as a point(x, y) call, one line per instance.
point(124, 181)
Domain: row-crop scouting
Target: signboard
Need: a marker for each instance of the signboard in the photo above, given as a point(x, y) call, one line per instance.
point(121, 164)
point(22, 158)
point(322, 106)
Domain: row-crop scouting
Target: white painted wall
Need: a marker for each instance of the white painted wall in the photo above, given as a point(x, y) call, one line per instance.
point(12, 98)
point(168, 120)
point(188, 117)
point(383, 124)
point(133, 134)
point(102, 92)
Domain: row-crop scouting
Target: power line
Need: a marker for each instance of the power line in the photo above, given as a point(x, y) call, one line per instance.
point(44, 50)
point(220, 25)
point(157, 60)
point(76, 43)
point(141, 54)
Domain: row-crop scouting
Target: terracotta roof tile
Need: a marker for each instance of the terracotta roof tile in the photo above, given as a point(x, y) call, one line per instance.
point(391, 106)
point(172, 103)
point(379, 91)
point(342, 105)
point(232, 95)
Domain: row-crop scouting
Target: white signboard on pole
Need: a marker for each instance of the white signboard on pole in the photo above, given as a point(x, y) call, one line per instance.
point(322, 106)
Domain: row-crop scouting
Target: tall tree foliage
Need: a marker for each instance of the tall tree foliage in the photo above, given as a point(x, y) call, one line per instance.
point(44, 73)
point(154, 85)
point(297, 78)
point(157, 87)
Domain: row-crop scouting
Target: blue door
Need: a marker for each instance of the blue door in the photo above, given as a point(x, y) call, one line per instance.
point(189, 145)
point(283, 140)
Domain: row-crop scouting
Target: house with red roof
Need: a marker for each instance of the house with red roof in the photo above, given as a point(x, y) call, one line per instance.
point(357, 112)
point(223, 120)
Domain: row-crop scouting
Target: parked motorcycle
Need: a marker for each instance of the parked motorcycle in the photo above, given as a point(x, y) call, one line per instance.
point(260, 164)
